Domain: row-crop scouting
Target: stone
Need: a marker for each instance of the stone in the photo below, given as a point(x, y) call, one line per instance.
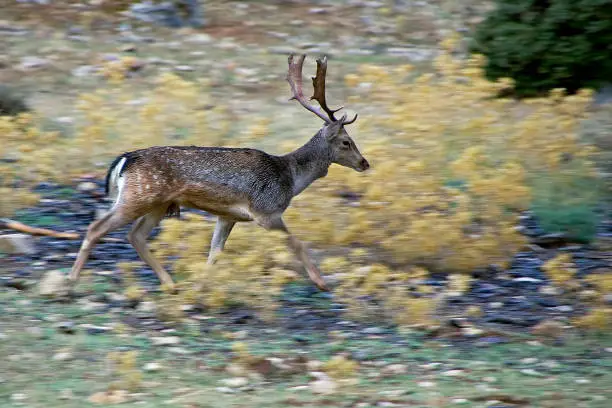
point(426, 384)
point(200, 38)
point(54, 284)
point(235, 382)
point(550, 291)
point(531, 372)
point(66, 394)
point(373, 330)
point(29, 63)
point(84, 71)
point(165, 340)
point(152, 367)
point(147, 307)
point(17, 244)
point(63, 356)
point(18, 397)
point(323, 386)
point(87, 187)
point(93, 329)
point(394, 369)
point(66, 327)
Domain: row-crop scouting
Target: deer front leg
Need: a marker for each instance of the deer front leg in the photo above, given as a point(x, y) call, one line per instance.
point(298, 248)
point(222, 230)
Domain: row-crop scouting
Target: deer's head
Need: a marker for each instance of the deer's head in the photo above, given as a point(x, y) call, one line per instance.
point(342, 148)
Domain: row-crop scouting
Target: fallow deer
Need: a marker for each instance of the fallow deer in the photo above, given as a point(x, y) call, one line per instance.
point(235, 184)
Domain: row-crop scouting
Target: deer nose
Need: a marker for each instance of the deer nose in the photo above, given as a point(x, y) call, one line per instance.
point(364, 164)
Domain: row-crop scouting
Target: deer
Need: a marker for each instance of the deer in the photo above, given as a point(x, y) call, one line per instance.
point(235, 184)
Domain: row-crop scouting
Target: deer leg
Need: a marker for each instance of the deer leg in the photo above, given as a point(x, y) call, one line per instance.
point(138, 238)
point(298, 248)
point(111, 221)
point(222, 230)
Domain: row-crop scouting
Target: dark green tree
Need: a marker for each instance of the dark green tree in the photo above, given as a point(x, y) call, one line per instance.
point(546, 44)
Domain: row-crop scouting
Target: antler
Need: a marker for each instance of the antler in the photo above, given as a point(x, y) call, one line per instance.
point(294, 77)
point(318, 82)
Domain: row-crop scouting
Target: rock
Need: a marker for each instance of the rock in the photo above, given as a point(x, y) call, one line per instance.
point(54, 284)
point(200, 38)
point(550, 291)
point(87, 187)
point(324, 386)
point(36, 332)
point(472, 332)
point(152, 367)
point(147, 307)
point(453, 373)
point(165, 340)
point(373, 330)
point(63, 356)
point(84, 71)
point(66, 327)
point(110, 397)
point(527, 279)
point(394, 369)
point(18, 397)
point(607, 298)
point(235, 382)
point(225, 390)
point(548, 328)
point(426, 384)
point(531, 372)
point(93, 329)
point(184, 68)
point(66, 394)
point(17, 244)
point(29, 63)
point(588, 295)
point(547, 301)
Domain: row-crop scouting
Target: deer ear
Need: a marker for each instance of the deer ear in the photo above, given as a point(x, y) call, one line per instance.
point(332, 130)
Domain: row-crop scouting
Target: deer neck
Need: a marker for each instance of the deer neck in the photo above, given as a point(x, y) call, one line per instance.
point(309, 163)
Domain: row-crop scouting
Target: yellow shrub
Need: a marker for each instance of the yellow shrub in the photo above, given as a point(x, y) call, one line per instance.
point(252, 270)
point(560, 270)
point(111, 120)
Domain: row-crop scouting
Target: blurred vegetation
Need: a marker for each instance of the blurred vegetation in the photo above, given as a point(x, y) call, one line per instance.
point(452, 168)
point(10, 102)
point(547, 45)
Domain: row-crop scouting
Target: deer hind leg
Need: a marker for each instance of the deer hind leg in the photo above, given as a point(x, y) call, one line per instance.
point(223, 228)
point(138, 238)
point(111, 221)
point(298, 248)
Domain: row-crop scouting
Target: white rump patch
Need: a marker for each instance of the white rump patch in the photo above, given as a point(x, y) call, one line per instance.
point(116, 182)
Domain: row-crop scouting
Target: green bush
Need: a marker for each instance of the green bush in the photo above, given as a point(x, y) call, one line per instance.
point(10, 103)
point(546, 44)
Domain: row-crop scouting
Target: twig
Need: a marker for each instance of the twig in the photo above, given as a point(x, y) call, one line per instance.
point(18, 226)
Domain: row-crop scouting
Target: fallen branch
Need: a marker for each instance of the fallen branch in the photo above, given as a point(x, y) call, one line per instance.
point(18, 226)
point(21, 227)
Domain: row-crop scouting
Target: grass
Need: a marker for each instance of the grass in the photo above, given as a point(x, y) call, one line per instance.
point(576, 373)
point(569, 207)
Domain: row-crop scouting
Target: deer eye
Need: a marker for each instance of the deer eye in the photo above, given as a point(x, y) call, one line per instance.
point(346, 143)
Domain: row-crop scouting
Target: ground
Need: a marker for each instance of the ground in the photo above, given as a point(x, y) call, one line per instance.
point(76, 352)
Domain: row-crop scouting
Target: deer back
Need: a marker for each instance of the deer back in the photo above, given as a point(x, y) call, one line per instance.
point(218, 180)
